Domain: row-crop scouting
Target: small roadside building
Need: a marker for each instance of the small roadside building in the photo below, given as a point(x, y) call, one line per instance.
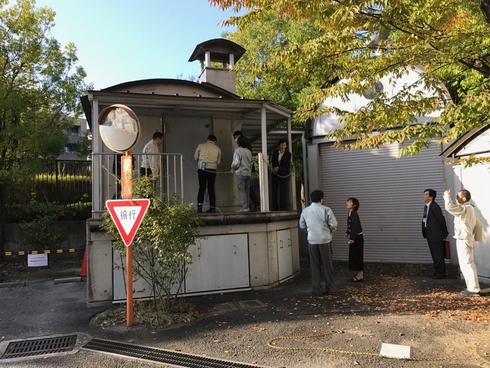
point(240, 251)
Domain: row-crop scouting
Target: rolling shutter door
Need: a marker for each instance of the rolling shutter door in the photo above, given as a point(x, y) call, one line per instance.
point(390, 194)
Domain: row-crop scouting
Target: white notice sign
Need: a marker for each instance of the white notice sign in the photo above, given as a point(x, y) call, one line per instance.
point(37, 260)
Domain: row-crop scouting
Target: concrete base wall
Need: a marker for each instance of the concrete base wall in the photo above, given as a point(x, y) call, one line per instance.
point(76, 239)
point(262, 245)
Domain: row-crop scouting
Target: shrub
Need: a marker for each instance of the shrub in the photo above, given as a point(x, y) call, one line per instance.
point(160, 248)
point(43, 233)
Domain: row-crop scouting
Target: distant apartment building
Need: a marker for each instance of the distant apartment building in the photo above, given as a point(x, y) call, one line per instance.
point(75, 135)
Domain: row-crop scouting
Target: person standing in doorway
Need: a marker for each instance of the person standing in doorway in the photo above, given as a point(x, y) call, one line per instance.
point(150, 162)
point(320, 223)
point(434, 229)
point(241, 166)
point(355, 239)
point(208, 156)
point(464, 225)
point(281, 160)
point(254, 198)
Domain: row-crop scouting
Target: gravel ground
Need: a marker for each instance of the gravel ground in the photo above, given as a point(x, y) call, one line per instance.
point(287, 327)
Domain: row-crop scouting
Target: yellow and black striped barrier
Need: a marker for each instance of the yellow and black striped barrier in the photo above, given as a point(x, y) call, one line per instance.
point(45, 251)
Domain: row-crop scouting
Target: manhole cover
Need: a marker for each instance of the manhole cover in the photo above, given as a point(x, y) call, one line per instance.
point(33, 347)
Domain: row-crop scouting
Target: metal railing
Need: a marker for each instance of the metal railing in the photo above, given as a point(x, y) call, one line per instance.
point(105, 177)
point(62, 181)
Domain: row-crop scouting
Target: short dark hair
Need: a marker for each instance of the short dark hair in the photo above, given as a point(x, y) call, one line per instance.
point(242, 141)
point(432, 193)
point(157, 135)
point(354, 201)
point(281, 141)
point(238, 132)
point(316, 196)
point(212, 138)
point(465, 193)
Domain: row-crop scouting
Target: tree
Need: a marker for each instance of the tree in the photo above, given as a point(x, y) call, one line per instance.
point(362, 41)
point(40, 85)
point(261, 38)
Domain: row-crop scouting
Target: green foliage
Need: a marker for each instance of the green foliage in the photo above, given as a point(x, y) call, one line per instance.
point(64, 212)
point(64, 186)
point(359, 42)
point(160, 248)
point(44, 232)
point(40, 86)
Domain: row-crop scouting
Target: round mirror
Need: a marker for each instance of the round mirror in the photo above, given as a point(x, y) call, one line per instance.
point(119, 128)
point(372, 92)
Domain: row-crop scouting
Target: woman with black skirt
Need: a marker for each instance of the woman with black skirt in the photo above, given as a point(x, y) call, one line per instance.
point(355, 240)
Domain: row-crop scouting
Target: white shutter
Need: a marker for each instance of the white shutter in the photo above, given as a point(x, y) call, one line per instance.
point(390, 194)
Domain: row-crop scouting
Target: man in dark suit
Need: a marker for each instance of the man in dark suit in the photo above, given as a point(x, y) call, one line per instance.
point(434, 229)
point(281, 160)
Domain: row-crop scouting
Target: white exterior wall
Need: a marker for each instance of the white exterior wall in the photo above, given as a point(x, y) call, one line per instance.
point(476, 179)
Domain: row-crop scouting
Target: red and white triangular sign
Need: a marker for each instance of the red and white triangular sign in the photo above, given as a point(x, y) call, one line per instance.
point(127, 214)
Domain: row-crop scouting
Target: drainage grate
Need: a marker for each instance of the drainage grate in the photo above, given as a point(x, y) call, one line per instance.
point(33, 347)
point(160, 356)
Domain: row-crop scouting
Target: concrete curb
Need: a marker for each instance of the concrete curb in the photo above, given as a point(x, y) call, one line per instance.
point(67, 279)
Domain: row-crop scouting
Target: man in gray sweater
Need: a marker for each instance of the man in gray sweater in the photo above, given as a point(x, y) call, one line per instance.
point(320, 223)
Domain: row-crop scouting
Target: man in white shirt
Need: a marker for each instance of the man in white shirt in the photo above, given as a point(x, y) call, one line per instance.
point(150, 163)
point(464, 225)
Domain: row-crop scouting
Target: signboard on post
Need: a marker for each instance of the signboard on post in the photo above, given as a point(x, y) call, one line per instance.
point(119, 129)
point(127, 215)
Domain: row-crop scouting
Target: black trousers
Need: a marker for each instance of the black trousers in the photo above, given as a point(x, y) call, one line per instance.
point(356, 254)
point(145, 171)
point(437, 250)
point(206, 180)
point(279, 187)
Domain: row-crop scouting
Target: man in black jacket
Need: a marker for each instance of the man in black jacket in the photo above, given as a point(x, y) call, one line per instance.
point(281, 160)
point(434, 229)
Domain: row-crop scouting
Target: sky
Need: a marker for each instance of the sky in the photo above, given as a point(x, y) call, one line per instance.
point(125, 40)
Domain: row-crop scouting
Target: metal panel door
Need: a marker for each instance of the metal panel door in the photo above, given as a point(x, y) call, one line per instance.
point(219, 263)
point(284, 254)
point(390, 192)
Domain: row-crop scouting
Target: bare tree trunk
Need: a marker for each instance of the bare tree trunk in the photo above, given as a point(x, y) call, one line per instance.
point(485, 9)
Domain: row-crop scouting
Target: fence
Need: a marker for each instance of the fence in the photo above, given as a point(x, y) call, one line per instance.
point(63, 181)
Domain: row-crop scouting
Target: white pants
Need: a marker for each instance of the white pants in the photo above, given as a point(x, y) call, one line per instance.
point(467, 263)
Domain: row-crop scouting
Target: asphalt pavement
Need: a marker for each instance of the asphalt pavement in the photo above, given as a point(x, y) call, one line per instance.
point(398, 307)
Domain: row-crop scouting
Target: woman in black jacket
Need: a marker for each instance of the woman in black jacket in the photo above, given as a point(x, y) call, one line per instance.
point(355, 240)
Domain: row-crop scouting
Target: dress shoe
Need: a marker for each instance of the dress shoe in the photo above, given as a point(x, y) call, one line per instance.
point(432, 274)
point(211, 210)
point(470, 293)
point(438, 277)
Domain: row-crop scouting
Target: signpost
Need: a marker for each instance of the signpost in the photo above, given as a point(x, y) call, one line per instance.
point(127, 215)
point(119, 129)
